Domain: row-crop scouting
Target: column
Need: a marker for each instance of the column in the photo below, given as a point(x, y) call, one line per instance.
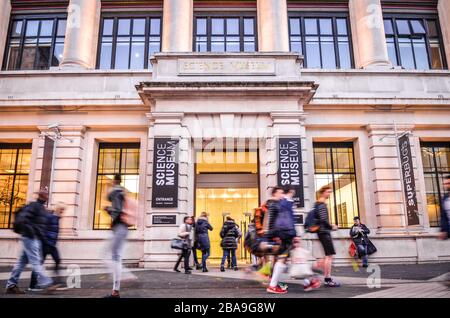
point(83, 23)
point(66, 175)
point(157, 250)
point(273, 32)
point(444, 18)
point(387, 181)
point(369, 39)
point(5, 13)
point(177, 26)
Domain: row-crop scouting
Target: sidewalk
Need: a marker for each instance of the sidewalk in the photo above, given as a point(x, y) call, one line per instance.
point(395, 281)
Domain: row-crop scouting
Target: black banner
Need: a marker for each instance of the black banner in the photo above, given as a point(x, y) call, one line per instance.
point(165, 173)
point(409, 183)
point(47, 164)
point(290, 168)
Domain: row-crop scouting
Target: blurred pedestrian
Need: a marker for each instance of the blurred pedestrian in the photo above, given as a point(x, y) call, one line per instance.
point(30, 222)
point(325, 234)
point(281, 231)
point(195, 247)
point(117, 197)
point(49, 246)
point(445, 211)
point(185, 232)
point(202, 227)
point(230, 235)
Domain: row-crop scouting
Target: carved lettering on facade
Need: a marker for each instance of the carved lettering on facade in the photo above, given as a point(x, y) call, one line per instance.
point(226, 67)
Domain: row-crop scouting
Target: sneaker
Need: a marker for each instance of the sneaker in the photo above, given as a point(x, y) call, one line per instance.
point(313, 284)
point(35, 289)
point(187, 272)
point(112, 296)
point(276, 290)
point(176, 270)
point(198, 267)
point(205, 270)
point(236, 268)
point(222, 269)
point(14, 290)
point(283, 286)
point(332, 283)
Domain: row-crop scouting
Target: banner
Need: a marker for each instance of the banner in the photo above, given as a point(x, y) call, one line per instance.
point(409, 183)
point(290, 168)
point(165, 173)
point(47, 163)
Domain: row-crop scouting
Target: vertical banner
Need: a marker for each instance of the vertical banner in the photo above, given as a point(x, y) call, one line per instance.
point(47, 163)
point(165, 173)
point(409, 183)
point(290, 168)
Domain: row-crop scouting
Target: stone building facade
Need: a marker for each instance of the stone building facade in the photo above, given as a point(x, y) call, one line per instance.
point(110, 79)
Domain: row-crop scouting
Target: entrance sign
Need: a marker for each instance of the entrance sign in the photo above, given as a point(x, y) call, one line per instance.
point(290, 170)
point(409, 183)
point(165, 173)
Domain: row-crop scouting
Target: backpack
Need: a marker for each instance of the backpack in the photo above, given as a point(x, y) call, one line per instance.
point(312, 223)
point(284, 224)
point(258, 218)
point(21, 220)
point(129, 212)
point(250, 237)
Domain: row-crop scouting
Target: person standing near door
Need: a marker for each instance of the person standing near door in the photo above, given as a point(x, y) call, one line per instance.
point(202, 227)
point(230, 235)
point(185, 233)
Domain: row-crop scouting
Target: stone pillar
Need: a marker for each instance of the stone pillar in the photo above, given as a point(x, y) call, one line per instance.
point(177, 26)
point(273, 32)
point(287, 124)
point(157, 251)
point(369, 39)
point(67, 176)
point(387, 182)
point(5, 13)
point(444, 18)
point(83, 23)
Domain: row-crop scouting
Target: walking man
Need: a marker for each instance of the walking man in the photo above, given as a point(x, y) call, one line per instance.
point(31, 223)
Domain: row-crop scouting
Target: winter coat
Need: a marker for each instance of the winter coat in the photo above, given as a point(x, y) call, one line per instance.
point(202, 227)
point(445, 222)
point(34, 218)
point(358, 237)
point(230, 233)
point(284, 223)
point(185, 233)
point(51, 235)
point(117, 199)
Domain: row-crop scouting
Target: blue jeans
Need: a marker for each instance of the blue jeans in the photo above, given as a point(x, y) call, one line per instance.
point(225, 256)
point(32, 253)
point(120, 232)
point(205, 255)
point(362, 252)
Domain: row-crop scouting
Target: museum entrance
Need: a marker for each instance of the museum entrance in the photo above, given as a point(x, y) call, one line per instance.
point(227, 184)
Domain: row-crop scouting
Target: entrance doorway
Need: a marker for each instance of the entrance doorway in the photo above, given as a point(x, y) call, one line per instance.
point(227, 184)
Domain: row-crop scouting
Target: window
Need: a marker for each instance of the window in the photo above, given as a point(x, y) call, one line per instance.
point(324, 41)
point(334, 166)
point(14, 170)
point(114, 159)
point(128, 43)
point(35, 43)
point(414, 43)
point(225, 34)
point(436, 165)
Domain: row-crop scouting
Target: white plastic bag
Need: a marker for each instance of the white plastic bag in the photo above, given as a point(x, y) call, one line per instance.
point(300, 266)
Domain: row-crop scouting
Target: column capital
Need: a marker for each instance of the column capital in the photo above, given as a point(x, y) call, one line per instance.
point(288, 117)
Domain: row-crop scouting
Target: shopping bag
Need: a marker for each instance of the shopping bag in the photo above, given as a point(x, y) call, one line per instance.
point(352, 250)
point(300, 266)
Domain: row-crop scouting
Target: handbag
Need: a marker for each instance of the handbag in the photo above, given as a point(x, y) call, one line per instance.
point(352, 250)
point(178, 244)
point(300, 265)
point(371, 248)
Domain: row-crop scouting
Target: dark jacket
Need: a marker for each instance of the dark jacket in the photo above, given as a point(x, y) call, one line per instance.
point(34, 220)
point(445, 226)
point(273, 208)
point(360, 237)
point(202, 227)
point(117, 199)
point(284, 223)
point(322, 216)
point(229, 234)
point(51, 235)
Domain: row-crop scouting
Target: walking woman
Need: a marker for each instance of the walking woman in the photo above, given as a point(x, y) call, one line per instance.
point(230, 235)
point(185, 233)
point(201, 230)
